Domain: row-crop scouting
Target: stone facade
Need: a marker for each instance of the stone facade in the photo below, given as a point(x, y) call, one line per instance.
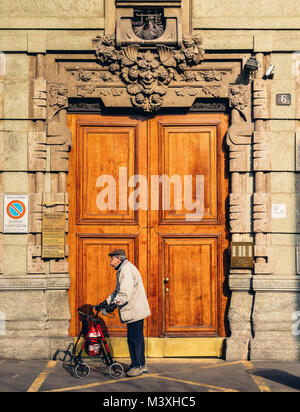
point(44, 47)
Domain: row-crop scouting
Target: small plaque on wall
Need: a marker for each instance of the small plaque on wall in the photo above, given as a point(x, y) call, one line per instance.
point(278, 211)
point(53, 235)
point(283, 99)
point(242, 256)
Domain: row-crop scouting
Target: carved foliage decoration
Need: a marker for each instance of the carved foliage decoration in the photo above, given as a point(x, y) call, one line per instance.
point(147, 74)
point(57, 98)
point(240, 98)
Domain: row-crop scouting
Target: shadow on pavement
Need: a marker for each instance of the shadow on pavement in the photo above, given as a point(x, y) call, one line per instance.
point(279, 376)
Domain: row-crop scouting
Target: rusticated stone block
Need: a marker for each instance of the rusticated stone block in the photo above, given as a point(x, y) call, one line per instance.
point(266, 252)
point(16, 99)
point(37, 108)
point(35, 217)
point(38, 325)
point(262, 151)
point(239, 141)
point(59, 266)
point(34, 263)
point(260, 99)
point(59, 138)
point(239, 212)
point(14, 260)
point(239, 158)
point(261, 212)
point(37, 151)
point(239, 316)
point(275, 318)
point(36, 43)
point(15, 151)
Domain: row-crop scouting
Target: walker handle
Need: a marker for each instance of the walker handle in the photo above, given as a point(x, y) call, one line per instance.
point(103, 312)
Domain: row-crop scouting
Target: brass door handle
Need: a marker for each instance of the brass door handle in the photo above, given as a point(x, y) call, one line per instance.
point(167, 290)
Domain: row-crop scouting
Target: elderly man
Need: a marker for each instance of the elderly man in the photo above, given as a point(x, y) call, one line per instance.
point(130, 298)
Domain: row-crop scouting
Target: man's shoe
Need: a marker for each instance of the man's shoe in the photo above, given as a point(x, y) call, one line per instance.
point(144, 369)
point(134, 372)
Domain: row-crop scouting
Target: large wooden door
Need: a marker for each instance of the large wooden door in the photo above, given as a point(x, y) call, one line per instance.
point(149, 174)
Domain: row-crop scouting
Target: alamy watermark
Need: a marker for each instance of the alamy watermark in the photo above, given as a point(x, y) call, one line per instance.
point(187, 194)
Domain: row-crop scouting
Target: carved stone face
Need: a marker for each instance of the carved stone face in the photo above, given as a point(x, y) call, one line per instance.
point(147, 77)
point(147, 69)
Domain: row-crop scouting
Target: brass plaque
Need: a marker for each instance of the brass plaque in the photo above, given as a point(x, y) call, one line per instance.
point(53, 235)
point(241, 255)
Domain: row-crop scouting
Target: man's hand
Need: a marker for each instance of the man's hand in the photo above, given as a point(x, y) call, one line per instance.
point(110, 308)
point(101, 305)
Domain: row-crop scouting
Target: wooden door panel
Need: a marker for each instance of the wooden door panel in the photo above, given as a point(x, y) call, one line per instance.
point(190, 271)
point(186, 152)
point(104, 150)
point(96, 278)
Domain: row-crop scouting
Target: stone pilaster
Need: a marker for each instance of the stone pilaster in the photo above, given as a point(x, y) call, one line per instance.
point(240, 316)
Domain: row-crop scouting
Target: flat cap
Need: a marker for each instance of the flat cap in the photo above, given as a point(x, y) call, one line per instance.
point(117, 252)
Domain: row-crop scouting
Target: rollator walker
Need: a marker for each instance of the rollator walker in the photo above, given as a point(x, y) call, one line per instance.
point(95, 345)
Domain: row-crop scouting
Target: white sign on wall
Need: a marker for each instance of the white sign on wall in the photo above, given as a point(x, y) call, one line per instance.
point(278, 211)
point(15, 214)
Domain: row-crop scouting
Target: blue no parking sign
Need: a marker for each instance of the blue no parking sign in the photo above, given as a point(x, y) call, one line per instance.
point(15, 213)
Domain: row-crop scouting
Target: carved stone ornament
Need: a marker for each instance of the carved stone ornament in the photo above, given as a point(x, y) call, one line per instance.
point(240, 98)
point(147, 74)
point(57, 98)
point(148, 24)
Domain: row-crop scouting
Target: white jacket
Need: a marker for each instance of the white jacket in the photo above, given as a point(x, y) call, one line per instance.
point(130, 295)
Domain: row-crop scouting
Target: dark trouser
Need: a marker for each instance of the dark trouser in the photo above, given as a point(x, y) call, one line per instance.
point(136, 343)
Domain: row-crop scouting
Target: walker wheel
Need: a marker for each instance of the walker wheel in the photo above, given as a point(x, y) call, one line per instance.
point(82, 370)
point(116, 370)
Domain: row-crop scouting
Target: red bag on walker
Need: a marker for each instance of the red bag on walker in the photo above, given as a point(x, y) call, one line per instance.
point(93, 344)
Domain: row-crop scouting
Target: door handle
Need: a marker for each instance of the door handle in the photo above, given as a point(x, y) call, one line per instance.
point(166, 280)
point(167, 290)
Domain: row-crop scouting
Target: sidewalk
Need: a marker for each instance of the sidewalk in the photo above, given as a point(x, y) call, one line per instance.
point(165, 375)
